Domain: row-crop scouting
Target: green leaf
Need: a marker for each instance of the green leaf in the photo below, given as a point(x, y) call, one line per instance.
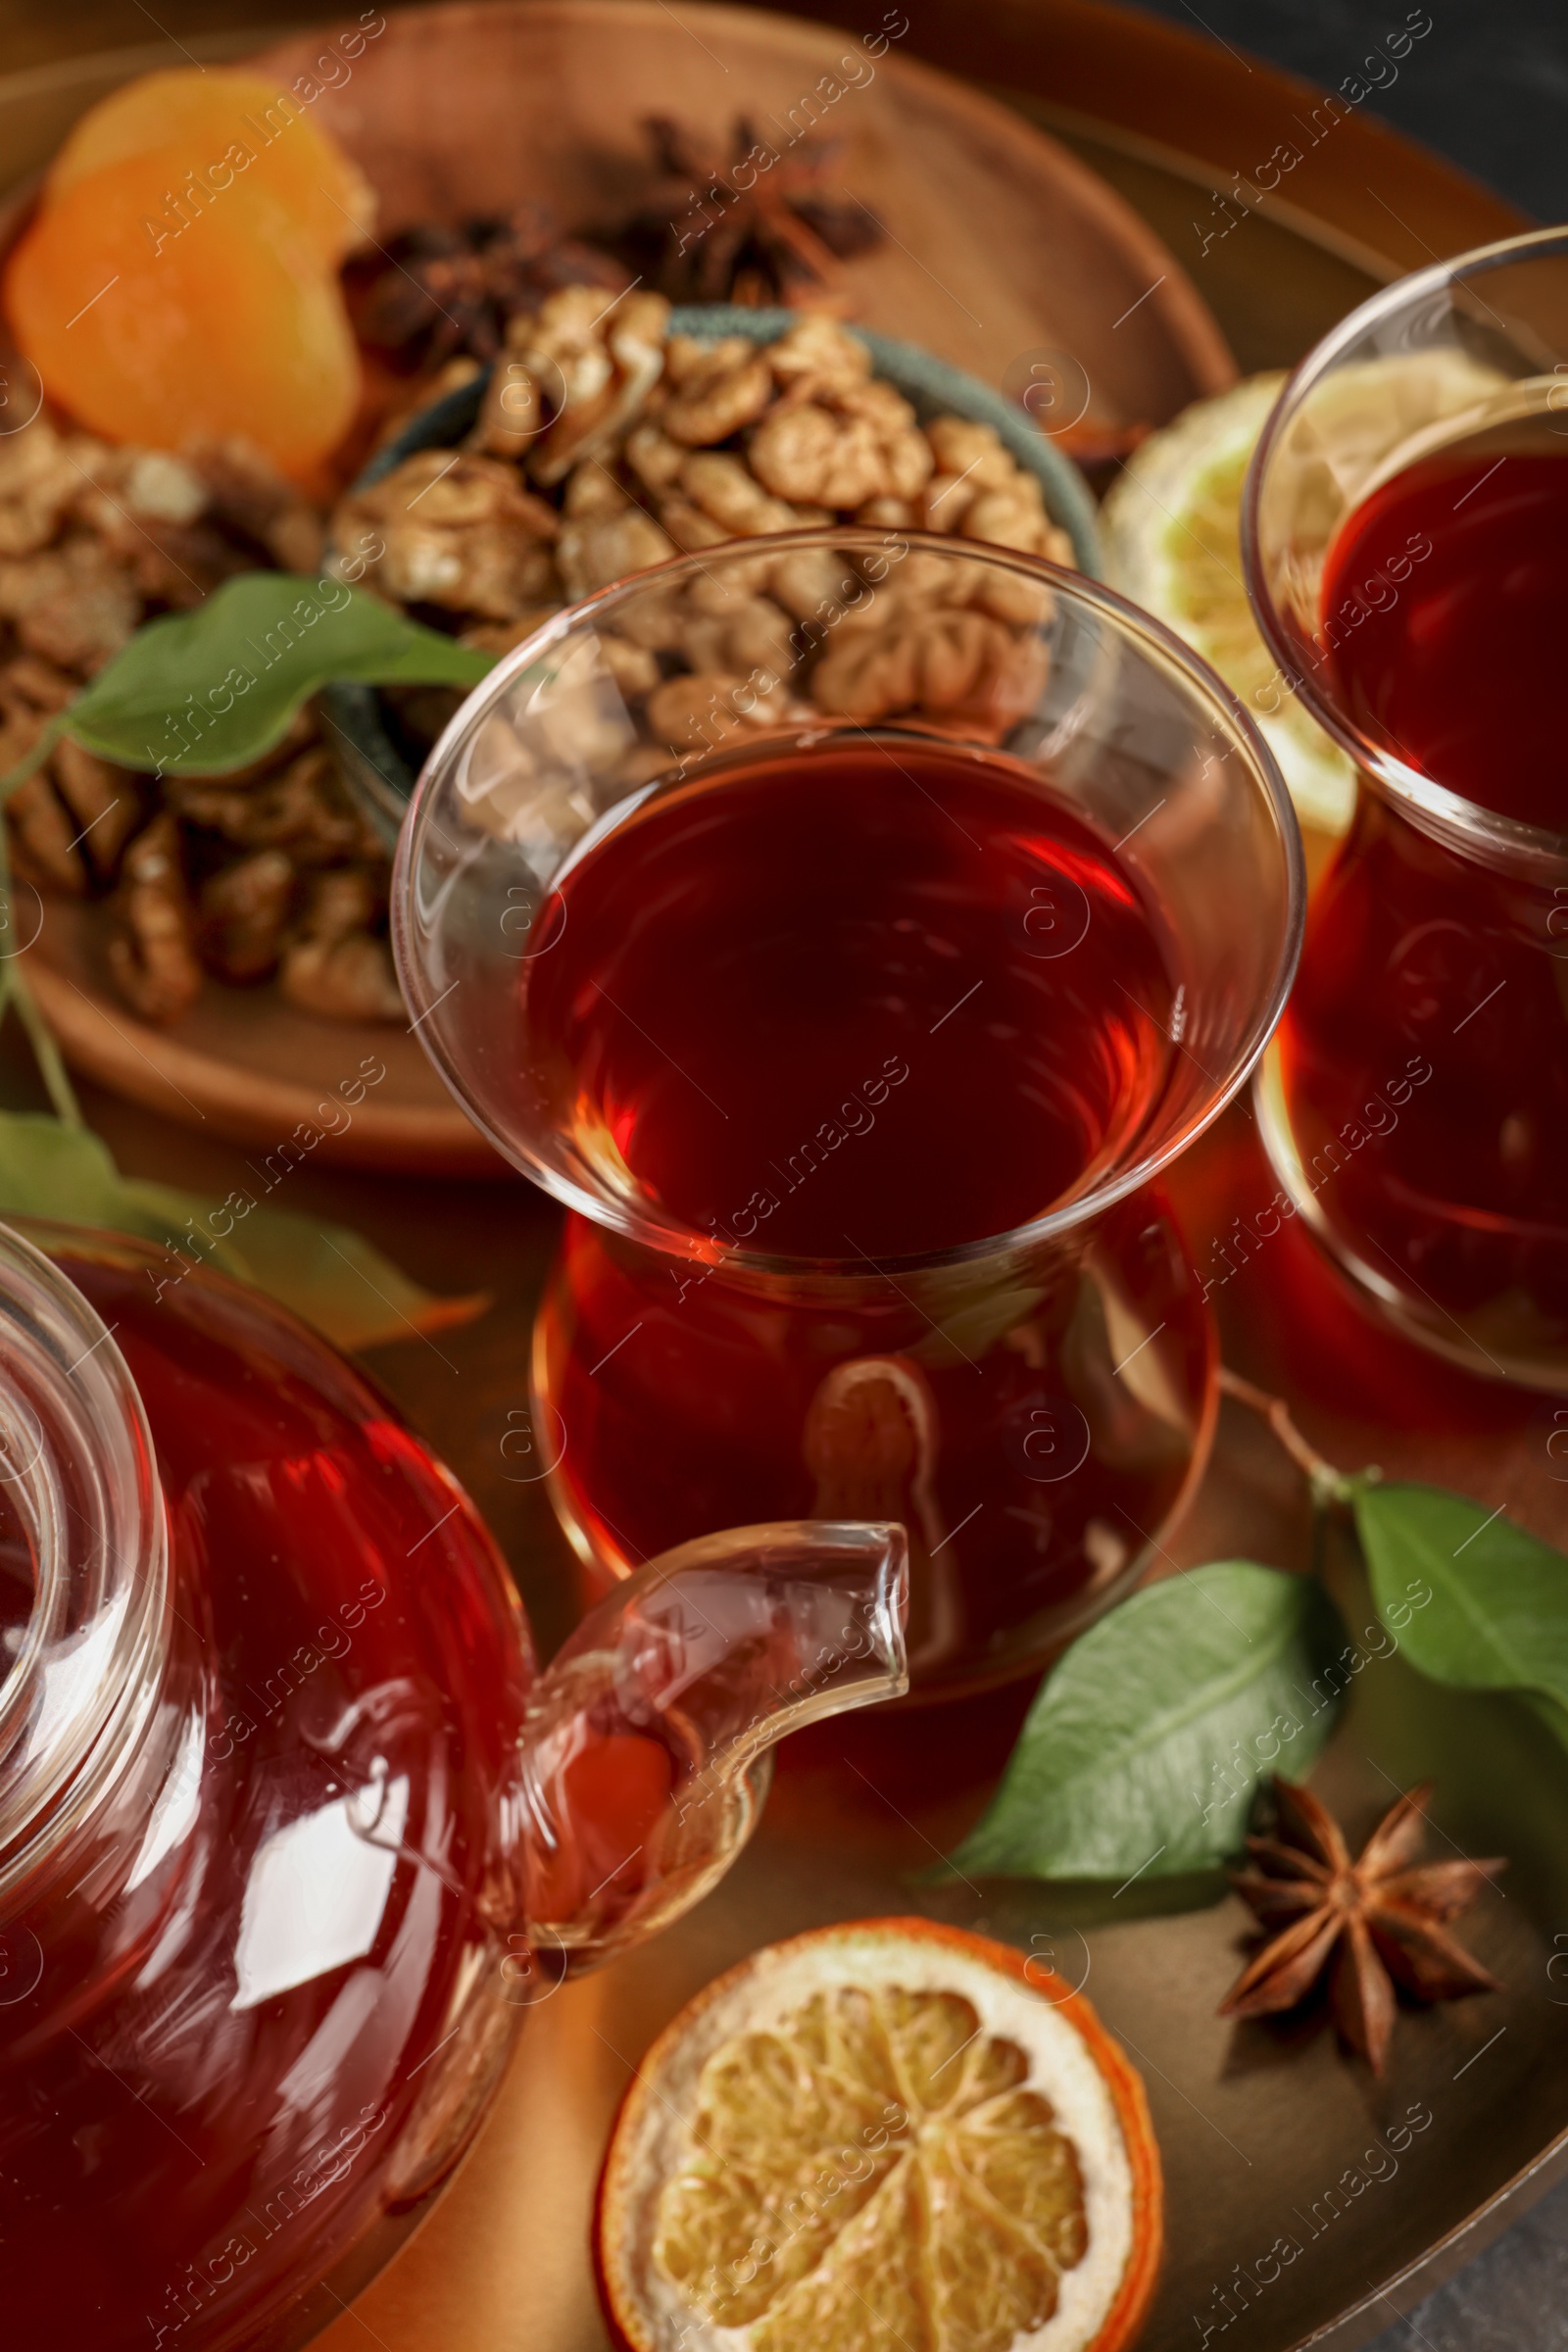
point(1147, 1740)
point(330, 1275)
point(200, 693)
point(337, 1280)
point(1471, 1599)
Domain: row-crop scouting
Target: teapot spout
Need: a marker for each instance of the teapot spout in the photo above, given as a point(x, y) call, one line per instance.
point(645, 1754)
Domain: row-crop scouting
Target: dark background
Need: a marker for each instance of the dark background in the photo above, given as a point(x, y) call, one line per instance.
point(1488, 86)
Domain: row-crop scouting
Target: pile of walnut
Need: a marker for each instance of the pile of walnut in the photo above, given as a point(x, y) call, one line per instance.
point(269, 870)
point(606, 444)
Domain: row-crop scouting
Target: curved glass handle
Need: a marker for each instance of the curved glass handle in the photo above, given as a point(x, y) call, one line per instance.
point(645, 1758)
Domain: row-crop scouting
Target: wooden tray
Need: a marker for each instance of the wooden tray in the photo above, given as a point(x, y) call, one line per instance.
point(1245, 2129)
point(1247, 2124)
point(1255, 2125)
point(1002, 245)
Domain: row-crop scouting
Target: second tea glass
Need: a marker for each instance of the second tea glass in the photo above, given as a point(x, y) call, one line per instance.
point(1034, 1404)
point(1415, 1104)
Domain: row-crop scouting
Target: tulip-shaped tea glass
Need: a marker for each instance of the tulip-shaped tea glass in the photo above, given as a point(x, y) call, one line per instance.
point(849, 928)
point(1407, 510)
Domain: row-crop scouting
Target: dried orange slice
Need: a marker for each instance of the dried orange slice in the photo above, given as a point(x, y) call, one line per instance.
point(883, 2133)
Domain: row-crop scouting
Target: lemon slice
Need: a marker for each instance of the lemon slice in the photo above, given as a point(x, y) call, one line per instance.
point(1369, 419)
point(1171, 524)
point(882, 2133)
point(1171, 530)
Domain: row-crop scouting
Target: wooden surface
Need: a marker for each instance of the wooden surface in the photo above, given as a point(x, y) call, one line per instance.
point(1210, 115)
point(1201, 111)
point(1252, 2124)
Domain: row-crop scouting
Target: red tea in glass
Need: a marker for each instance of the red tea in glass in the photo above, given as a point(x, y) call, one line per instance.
point(855, 1032)
point(1418, 1104)
point(937, 1032)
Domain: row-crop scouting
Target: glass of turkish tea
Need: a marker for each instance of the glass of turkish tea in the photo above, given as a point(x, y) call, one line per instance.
point(1406, 546)
point(848, 929)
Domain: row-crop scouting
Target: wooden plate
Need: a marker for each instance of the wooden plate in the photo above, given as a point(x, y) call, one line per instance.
point(1001, 246)
point(244, 1063)
point(1001, 243)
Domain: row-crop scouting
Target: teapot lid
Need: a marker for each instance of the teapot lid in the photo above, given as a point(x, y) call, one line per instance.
point(84, 1593)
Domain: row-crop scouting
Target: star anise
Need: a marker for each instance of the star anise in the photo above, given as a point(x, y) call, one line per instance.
point(435, 291)
point(1372, 1923)
point(763, 224)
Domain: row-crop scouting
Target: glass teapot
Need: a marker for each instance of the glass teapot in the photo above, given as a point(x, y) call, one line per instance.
point(292, 1830)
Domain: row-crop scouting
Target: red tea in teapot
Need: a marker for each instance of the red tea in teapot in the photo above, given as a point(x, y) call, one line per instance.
point(258, 2014)
point(290, 1831)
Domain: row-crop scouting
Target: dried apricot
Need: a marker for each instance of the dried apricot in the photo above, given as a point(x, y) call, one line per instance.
point(166, 324)
point(225, 129)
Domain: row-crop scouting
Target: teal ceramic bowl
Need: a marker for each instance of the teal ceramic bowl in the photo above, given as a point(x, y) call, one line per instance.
point(373, 763)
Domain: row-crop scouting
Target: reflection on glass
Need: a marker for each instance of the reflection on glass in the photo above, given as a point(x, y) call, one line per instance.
point(316, 1896)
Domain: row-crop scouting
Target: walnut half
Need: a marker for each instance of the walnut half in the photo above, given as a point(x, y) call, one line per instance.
point(457, 531)
point(843, 448)
point(152, 947)
point(946, 662)
point(243, 910)
point(336, 966)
